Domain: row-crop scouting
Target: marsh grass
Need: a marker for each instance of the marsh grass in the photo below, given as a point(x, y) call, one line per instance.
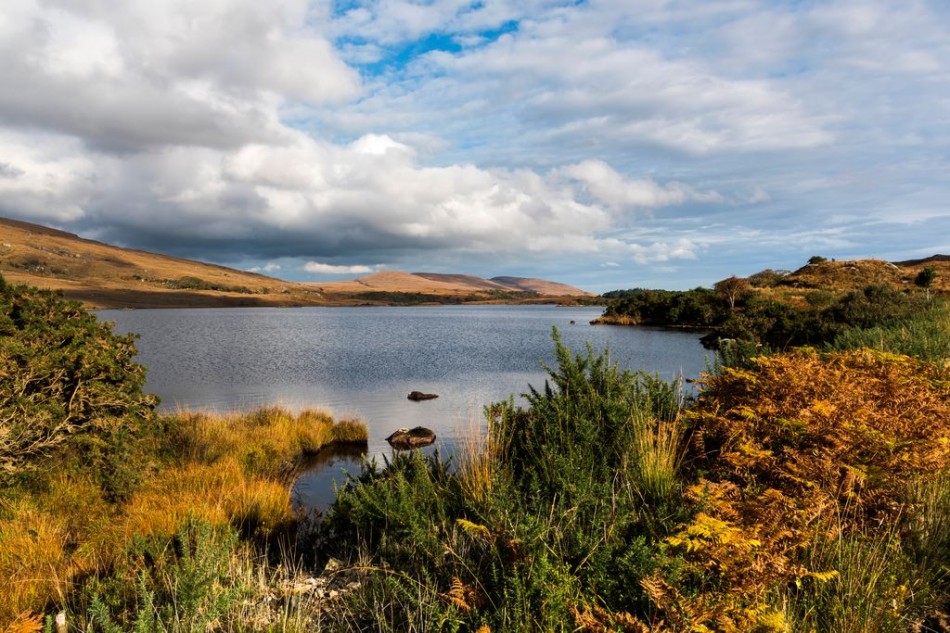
point(231, 471)
point(866, 583)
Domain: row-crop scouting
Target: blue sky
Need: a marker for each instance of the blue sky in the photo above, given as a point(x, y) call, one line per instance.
point(608, 144)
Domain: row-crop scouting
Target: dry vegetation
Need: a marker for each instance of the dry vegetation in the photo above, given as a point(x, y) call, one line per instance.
point(797, 454)
point(839, 277)
point(216, 470)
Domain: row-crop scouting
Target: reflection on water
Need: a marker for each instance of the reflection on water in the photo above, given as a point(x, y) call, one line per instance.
point(321, 475)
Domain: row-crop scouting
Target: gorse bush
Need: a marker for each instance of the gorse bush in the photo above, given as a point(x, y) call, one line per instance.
point(69, 387)
point(574, 494)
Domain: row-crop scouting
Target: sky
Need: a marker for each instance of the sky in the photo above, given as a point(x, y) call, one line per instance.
point(602, 143)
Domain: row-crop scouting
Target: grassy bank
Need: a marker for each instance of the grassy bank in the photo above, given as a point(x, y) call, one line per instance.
point(65, 544)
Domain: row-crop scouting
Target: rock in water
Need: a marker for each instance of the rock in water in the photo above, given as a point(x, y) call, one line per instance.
point(404, 439)
point(418, 395)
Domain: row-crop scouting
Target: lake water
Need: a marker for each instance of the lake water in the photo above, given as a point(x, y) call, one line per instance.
point(362, 362)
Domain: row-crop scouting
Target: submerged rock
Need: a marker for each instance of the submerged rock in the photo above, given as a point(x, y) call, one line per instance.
point(418, 395)
point(404, 439)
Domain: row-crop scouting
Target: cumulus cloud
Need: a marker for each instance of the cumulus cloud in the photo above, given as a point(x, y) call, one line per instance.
point(613, 189)
point(140, 74)
point(331, 269)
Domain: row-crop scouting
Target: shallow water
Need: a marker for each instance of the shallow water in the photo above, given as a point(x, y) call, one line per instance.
point(362, 362)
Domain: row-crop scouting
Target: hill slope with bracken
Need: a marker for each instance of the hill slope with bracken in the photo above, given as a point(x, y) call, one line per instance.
point(101, 275)
point(844, 276)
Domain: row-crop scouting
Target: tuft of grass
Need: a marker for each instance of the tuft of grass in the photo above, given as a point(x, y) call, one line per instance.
point(928, 530)
point(863, 584)
point(657, 453)
point(476, 459)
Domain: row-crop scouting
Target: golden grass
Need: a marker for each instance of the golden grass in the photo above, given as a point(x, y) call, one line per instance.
point(477, 456)
point(616, 319)
point(226, 469)
point(658, 452)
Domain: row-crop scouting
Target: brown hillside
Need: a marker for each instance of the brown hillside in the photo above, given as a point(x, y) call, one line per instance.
point(463, 281)
point(101, 275)
point(392, 281)
point(448, 284)
point(845, 276)
point(540, 286)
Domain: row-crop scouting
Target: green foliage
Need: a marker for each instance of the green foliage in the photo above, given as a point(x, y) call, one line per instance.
point(69, 388)
point(699, 307)
point(817, 259)
point(924, 334)
point(877, 317)
point(584, 485)
point(925, 277)
point(180, 584)
point(196, 283)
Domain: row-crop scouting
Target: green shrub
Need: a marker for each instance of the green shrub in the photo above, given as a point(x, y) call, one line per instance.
point(183, 583)
point(69, 389)
point(584, 484)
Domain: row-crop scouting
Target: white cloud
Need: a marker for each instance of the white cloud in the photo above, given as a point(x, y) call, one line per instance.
point(46, 177)
point(269, 267)
point(330, 269)
point(142, 73)
point(611, 188)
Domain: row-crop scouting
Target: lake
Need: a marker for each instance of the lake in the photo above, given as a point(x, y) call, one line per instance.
point(362, 362)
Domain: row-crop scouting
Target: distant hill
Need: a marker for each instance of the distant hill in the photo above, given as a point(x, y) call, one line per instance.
point(452, 284)
point(541, 286)
point(101, 275)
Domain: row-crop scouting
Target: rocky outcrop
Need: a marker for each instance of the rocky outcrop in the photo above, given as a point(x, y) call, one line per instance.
point(418, 395)
point(405, 439)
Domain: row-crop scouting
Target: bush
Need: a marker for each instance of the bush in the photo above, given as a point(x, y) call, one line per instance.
point(582, 486)
point(69, 388)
